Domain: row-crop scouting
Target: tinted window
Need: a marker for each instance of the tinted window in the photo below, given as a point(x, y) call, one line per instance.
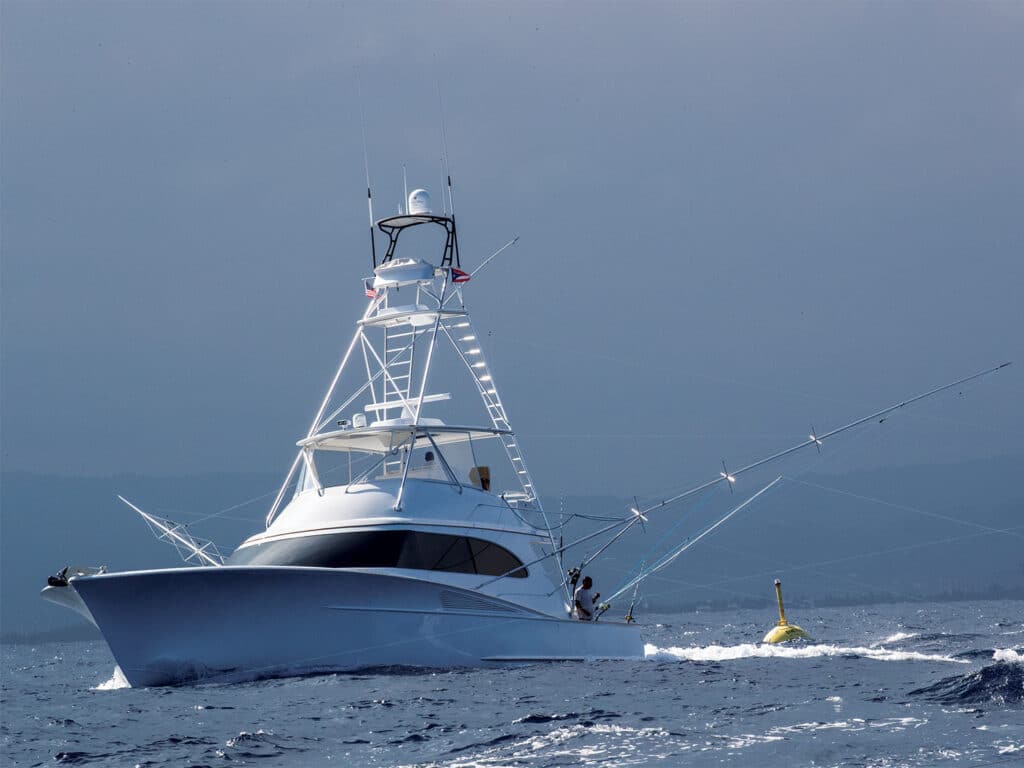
point(492, 559)
point(386, 549)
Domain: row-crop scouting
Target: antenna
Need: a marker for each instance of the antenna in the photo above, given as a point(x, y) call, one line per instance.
point(405, 187)
point(444, 200)
point(444, 150)
point(366, 165)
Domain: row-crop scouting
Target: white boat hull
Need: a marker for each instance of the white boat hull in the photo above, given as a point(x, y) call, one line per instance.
point(234, 623)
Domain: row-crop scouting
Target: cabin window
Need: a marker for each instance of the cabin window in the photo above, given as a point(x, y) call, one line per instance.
point(416, 550)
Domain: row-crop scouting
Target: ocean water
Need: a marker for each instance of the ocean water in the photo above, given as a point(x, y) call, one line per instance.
point(892, 685)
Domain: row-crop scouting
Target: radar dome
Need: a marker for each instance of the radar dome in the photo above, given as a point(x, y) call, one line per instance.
point(419, 202)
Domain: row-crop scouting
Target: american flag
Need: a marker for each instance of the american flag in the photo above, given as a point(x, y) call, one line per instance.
point(458, 276)
point(368, 288)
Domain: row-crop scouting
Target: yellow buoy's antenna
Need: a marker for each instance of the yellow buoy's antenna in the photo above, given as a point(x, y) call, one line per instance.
point(783, 631)
point(782, 611)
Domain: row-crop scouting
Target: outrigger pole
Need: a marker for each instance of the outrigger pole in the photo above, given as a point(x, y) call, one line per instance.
point(815, 440)
point(636, 515)
point(177, 534)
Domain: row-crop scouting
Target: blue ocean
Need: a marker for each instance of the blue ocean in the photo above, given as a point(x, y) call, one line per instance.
point(915, 684)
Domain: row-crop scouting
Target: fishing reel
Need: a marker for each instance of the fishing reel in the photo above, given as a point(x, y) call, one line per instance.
point(573, 574)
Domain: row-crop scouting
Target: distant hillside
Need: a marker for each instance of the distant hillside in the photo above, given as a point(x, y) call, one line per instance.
point(828, 547)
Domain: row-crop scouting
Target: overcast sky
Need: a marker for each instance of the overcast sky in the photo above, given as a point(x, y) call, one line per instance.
point(736, 220)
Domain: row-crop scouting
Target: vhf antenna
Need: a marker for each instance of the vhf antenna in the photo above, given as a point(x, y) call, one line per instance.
point(444, 200)
point(366, 166)
point(444, 151)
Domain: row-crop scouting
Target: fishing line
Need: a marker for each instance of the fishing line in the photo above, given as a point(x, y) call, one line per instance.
point(784, 565)
point(849, 558)
point(824, 459)
point(669, 558)
point(703, 501)
point(894, 505)
point(706, 498)
point(664, 560)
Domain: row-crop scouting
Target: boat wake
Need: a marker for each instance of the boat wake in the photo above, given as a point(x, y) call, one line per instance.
point(116, 682)
point(807, 651)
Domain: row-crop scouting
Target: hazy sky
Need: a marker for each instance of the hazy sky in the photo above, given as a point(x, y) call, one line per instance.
point(736, 220)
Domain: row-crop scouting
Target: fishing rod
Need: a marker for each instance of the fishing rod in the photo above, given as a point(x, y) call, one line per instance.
point(573, 575)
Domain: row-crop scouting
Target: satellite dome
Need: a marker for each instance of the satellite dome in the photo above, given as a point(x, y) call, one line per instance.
point(419, 202)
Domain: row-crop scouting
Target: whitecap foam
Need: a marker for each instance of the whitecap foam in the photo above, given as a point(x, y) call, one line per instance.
point(893, 724)
point(605, 742)
point(759, 650)
point(116, 682)
point(1007, 654)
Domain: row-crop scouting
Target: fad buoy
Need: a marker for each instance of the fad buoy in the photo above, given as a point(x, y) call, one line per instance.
point(783, 631)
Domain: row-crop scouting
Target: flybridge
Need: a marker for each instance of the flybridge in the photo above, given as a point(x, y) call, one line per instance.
point(398, 342)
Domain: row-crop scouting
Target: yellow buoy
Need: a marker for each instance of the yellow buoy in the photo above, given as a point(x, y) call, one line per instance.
point(783, 631)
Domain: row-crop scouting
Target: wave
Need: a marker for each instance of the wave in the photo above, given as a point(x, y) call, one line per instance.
point(600, 743)
point(1008, 655)
point(759, 650)
point(586, 718)
point(608, 744)
point(1001, 684)
point(894, 724)
point(255, 744)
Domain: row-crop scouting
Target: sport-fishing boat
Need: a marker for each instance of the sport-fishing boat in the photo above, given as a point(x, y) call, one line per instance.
point(397, 546)
point(413, 534)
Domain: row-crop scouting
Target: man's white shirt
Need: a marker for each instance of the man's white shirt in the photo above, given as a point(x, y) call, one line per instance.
point(584, 597)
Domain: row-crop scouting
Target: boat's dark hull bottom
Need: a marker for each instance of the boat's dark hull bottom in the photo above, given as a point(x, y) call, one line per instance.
point(180, 625)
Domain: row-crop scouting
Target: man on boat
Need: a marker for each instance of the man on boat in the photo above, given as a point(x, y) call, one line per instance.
point(584, 601)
